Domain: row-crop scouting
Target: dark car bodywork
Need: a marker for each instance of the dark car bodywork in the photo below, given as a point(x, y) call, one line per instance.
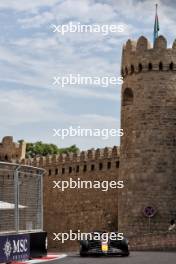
point(116, 247)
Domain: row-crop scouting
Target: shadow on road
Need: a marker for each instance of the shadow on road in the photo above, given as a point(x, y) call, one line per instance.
point(134, 258)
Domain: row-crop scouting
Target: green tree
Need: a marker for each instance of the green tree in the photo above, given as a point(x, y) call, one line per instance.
point(43, 149)
point(72, 149)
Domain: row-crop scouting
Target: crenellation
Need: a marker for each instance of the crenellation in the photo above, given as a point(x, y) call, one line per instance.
point(137, 57)
point(35, 161)
point(11, 151)
point(48, 159)
point(84, 160)
point(73, 158)
point(82, 156)
point(130, 46)
point(106, 152)
point(70, 157)
point(97, 153)
point(60, 158)
point(160, 43)
point(30, 162)
point(115, 151)
point(142, 45)
point(90, 154)
point(42, 161)
point(54, 159)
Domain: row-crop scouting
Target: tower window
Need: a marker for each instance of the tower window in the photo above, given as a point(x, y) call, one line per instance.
point(171, 66)
point(56, 171)
point(117, 164)
point(127, 97)
point(150, 66)
point(63, 170)
point(49, 172)
point(85, 168)
point(109, 165)
point(100, 166)
point(160, 66)
point(92, 167)
point(140, 67)
point(77, 168)
point(132, 69)
point(70, 169)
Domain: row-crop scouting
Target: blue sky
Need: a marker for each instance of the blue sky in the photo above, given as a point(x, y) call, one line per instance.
point(30, 55)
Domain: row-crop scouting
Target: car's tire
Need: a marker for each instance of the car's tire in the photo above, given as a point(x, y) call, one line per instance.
point(83, 253)
point(125, 253)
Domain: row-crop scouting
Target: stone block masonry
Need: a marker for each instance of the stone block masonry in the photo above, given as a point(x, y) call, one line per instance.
point(148, 147)
point(154, 242)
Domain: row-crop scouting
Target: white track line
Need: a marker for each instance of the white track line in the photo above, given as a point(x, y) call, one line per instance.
point(33, 261)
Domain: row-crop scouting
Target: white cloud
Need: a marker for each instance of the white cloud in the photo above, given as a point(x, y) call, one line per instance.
point(37, 20)
point(19, 107)
point(26, 5)
point(85, 10)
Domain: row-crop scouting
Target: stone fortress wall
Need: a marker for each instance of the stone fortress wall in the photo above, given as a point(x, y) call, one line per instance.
point(78, 209)
point(86, 210)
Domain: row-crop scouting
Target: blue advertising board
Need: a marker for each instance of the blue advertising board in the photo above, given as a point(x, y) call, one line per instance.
point(14, 247)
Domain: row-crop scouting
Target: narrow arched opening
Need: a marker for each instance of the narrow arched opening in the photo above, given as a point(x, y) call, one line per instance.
point(160, 66)
point(127, 97)
point(171, 66)
point(132, 69)
point(140, 67)
point(150, 66)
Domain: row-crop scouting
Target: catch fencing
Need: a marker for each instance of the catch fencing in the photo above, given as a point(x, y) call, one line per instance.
point(21, 198)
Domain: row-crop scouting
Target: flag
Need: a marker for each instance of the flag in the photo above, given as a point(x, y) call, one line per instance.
point(156, 26)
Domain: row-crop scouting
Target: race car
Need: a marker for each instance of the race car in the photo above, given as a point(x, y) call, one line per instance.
point(96, 244)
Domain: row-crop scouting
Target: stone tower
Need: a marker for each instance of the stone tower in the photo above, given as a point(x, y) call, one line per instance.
point(11, 151)
point(148, 147)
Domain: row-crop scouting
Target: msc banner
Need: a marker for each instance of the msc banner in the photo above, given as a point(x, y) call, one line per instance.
point(14, 247)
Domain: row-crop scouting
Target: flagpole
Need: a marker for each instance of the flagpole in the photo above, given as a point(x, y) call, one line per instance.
point(156, 24)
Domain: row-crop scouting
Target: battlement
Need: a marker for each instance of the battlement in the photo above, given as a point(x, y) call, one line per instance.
point(11, 151)
point(138, 56)
point(83, 156)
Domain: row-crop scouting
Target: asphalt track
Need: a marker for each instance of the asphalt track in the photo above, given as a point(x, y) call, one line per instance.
point(134, 258)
